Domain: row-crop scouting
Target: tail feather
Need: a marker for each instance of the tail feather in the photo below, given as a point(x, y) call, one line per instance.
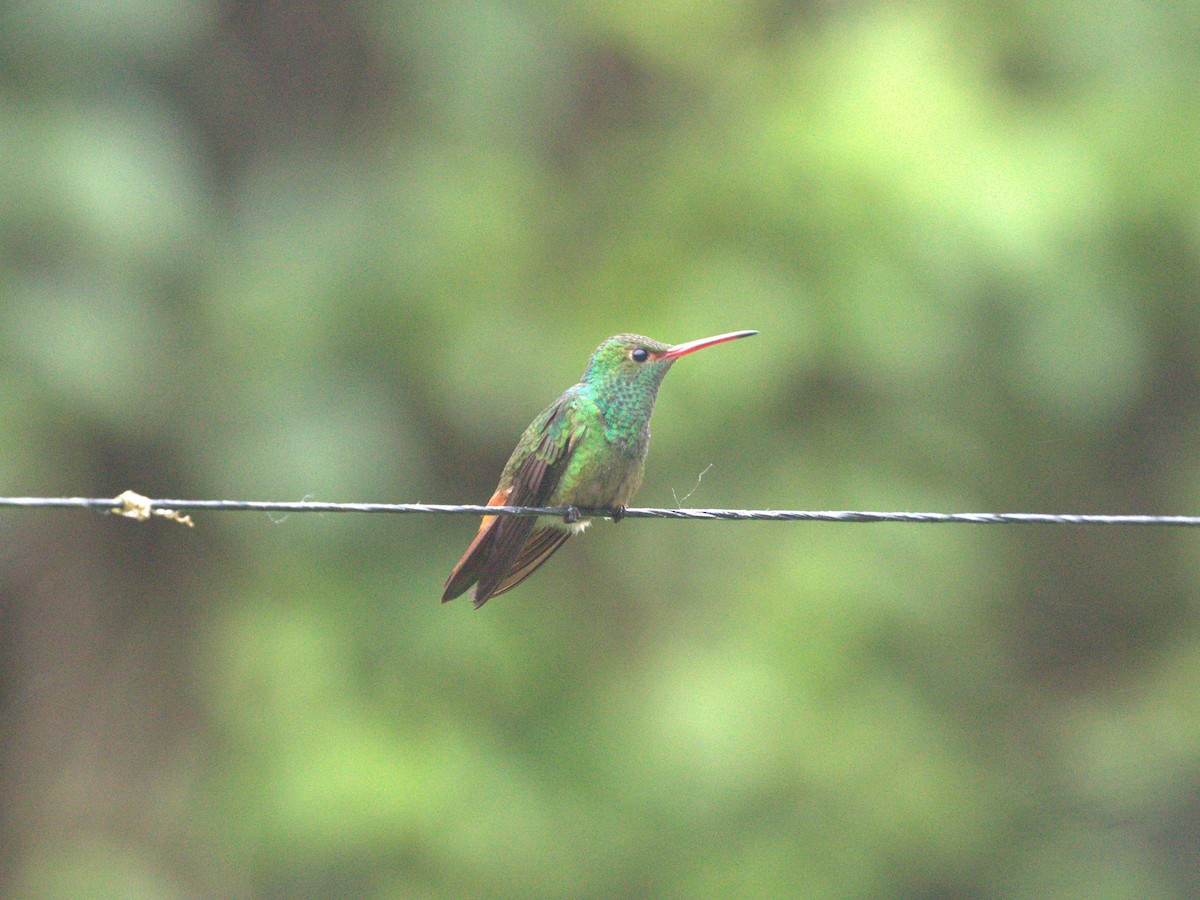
point(471, 566)
point(539, 547)
point(492, 564)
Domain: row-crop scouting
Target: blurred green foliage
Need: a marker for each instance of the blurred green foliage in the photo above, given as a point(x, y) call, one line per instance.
point(347, 250)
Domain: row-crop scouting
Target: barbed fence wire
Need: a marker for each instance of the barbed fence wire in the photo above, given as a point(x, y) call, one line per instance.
point(139, 507)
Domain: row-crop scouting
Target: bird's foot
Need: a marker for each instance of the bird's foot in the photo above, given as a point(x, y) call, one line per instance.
point(571, 516)
point(618, 513)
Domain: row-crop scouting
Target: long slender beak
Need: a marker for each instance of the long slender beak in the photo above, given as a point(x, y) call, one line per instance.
point(684, 349)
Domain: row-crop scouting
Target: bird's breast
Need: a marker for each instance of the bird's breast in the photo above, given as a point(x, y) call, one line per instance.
point(599, 477)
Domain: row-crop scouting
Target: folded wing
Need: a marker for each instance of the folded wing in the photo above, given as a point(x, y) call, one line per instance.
point(508, 549)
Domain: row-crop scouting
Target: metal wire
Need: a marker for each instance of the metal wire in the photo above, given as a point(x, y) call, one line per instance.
point(138, 507)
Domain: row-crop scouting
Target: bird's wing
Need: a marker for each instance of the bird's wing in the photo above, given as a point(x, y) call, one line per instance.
point(507, 548)
point(538, 548)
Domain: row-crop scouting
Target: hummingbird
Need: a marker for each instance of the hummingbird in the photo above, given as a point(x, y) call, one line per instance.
point(587, 449)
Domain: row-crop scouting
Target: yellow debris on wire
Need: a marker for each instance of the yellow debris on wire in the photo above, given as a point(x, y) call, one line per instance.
point(139, 507)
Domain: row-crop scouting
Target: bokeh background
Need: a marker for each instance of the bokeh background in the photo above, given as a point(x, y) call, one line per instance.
point(346, 250)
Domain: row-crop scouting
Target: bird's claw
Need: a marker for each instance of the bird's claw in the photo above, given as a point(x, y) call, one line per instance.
point(618, 513)
point(571, 516)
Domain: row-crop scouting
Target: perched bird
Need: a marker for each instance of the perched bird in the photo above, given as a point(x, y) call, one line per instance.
point(588, 449)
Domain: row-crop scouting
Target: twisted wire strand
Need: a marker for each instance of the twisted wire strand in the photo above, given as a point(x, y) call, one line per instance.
point(136, 506)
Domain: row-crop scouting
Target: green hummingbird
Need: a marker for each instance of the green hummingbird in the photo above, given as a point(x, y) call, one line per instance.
point(587, 449)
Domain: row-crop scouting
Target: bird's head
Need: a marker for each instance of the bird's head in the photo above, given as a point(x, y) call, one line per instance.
point(638, 363)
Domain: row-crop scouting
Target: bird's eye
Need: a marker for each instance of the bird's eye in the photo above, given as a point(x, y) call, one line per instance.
point(640, 355)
